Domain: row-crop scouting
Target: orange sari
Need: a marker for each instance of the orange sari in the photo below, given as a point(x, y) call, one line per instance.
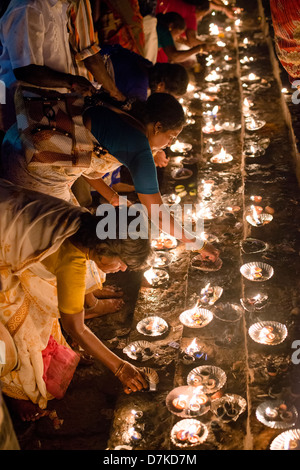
point(286, 24)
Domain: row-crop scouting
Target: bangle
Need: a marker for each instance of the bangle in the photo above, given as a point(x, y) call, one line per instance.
point(119, 369)
point(203, 246)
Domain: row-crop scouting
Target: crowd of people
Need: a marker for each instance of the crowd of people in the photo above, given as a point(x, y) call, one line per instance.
point(91, 87)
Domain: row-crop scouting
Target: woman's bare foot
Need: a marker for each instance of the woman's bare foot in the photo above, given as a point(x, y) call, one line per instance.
point(108, 292)
point(103, 307)
point(27, 410)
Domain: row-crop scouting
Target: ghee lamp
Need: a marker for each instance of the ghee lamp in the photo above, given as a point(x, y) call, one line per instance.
point(156, 277)
point(254, 124)
point(180, 402)
point(221, 157)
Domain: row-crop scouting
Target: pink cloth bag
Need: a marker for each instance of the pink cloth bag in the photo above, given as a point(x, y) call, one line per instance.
point(60, 363)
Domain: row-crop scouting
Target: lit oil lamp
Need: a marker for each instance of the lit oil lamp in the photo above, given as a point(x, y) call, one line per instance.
point(214, 29)
point(171, 199)
point(222, 157)
point(213, 76)
point(247, 104)
point(256, 198)
point(180, 402)
point(152, 326)
point(257, 217)
point(132, 435)
point(254, 124)
point(209, 295)
point(246, 60)
point(268, 332)
point(231, 126)
point(164, 242)
point(190, 88)
point(253, 150)
point(212, 89)
point(192, 352)
point(207, 188)
point(196, 317)
point(256, 272)
point(211, 127)
point(156, 277)
point(180, 147)
point(251, 78)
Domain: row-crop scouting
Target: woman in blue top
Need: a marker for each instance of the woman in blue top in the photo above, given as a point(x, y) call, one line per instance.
point(129, 139)
point(152, 125)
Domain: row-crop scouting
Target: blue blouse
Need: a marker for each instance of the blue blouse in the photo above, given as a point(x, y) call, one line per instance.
point(127, 144)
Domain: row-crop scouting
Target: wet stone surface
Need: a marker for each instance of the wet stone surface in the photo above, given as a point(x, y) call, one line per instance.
point(96, 413)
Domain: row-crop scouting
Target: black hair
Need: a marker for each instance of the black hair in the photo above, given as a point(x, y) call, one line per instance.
point(174, 76)
point(171, 18)
point(133, 252)
point(159, 107)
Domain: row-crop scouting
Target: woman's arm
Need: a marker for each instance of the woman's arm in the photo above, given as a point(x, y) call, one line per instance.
point(152, 202)
point(175, 56)
point(106, 191)
point(130, 377)
point(41, 75)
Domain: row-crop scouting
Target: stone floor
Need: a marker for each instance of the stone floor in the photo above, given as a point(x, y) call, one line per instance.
point(95, 413)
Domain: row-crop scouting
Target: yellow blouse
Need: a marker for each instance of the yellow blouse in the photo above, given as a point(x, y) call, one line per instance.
point(68, 264)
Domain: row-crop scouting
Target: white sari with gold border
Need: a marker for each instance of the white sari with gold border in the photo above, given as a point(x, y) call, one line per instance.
point(32, 226)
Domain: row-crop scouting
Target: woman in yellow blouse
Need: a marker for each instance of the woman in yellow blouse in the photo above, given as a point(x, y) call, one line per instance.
point(44, 245)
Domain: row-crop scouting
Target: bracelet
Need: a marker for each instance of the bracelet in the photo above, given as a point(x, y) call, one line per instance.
point(203, 246)
point(119, 369)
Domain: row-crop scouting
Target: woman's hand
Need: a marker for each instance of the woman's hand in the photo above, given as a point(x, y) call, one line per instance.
point(209, 252)
point(160, 159)
point(131, 378)
point(82, 86)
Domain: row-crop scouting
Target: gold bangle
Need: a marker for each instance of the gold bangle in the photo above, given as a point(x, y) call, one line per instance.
point(119, 369)
point(203, 246)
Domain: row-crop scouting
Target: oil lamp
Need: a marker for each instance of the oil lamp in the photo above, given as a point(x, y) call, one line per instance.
point(156, 277)
point(253, 150)
point(253, 124)
point(152, 326)
point(211, 127)
point(213, 76)
point(207, 188)
point(180, 402)
point(252, 77)
point(180, 147)
point(196, 317)
point(171, 199)
point(246, 60)
point(222, 157)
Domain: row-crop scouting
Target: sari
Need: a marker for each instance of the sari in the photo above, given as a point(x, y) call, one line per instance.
point(121, 22)
point(56, 180)
point(32, 227)
point(286, 24)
